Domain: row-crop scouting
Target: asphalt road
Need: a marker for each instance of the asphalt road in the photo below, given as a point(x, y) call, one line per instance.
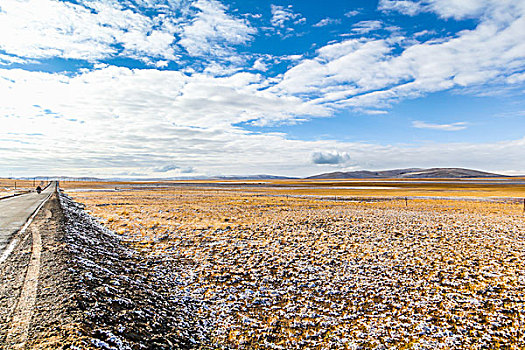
point(15, 211)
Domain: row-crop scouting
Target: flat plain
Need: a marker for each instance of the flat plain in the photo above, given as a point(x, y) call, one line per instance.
point(11, 186)
point(302, 264)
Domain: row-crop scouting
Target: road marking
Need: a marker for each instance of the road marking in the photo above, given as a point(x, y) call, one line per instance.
point(17, 335)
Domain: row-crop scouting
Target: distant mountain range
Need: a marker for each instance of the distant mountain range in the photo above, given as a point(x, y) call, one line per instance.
point(411, 173)
point(154, 179)
point(212, 178)
point(61, 178)
point(254, 177)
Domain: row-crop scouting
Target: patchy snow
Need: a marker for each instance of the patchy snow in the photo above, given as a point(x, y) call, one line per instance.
point(127, 299)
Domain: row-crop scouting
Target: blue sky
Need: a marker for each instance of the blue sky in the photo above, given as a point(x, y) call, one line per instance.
point(191, 88)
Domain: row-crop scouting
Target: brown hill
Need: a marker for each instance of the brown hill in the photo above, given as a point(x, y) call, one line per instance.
point(411, 173)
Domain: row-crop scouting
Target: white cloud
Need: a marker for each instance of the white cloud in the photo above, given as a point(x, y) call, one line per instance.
point(366, 73)
point(465, 8)
point(173, 169)
point(112, 119)
point(338, 70)
point(8, 60)
point(424, 33)
point(352, 13)
point(373, 111)
point(90, 30)
point(282, 16)
point(451, 8)
point(260, 65)
point(516, 78)
point(445, 127)
point(364, 27)
point(406, 7)
point(327, 21)
point(292, 57)
point(161, 64)
point(108, 111)
point(96, 30)
point(330, 157)
point(213, 31)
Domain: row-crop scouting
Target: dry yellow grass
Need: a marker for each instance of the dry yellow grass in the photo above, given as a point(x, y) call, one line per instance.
point(276, 270)
point(396, 187)
point(8, 185)
point(502, 187)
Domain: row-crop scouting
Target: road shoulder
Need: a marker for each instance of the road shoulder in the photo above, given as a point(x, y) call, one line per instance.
point(39, 314)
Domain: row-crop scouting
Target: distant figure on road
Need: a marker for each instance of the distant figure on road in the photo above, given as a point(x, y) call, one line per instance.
point(38, 189)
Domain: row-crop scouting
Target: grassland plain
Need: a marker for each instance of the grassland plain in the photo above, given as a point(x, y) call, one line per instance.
point(272, 269)
point(10, 186)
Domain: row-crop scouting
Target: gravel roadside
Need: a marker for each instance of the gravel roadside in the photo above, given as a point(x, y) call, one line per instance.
point(127, 300)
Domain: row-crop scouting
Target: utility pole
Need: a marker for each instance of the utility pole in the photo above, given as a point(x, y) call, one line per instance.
point(34, 179)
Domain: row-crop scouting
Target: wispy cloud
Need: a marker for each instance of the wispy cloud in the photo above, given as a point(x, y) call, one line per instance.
point(282, 16)
point(512, 114)
point(444, 8)
point(364, 27)
point(327, 21)
point(213, 31)
point(516, 78)
point(423, 33)
point(358, 73)
point(352, 13)
point(10, 59)
point(445, 127)
point(96, 30)
point(406, 7)
point(90, 30)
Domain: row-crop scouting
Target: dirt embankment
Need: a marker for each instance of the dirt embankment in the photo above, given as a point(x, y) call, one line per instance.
point(92, 291)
